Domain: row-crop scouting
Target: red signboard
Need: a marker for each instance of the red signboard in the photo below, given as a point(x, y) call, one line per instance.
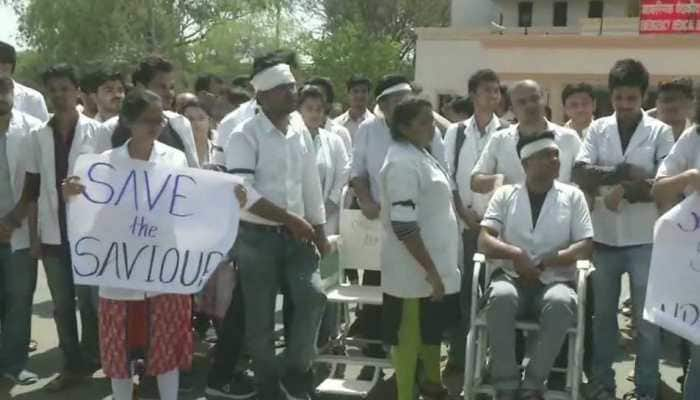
point(669, 16)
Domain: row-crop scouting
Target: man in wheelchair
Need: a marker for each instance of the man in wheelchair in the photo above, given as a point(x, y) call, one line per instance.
point(537, 231)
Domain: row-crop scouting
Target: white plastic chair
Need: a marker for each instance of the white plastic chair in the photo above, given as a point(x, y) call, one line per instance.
point(359, 247)
point(477, 341)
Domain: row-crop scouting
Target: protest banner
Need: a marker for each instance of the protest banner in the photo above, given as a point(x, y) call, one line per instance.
point(673, 298)
point(144, 226)
point(669, 17)
point(360, 240)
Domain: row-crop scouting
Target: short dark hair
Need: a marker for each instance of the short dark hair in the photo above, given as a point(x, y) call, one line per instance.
point(462, 105)
point(204, 82)
point(92, 81)
point(576, 88)
point(358, 80)
point(150, 67)
point(237, 95)
point(682, 85)
point(388, 81)
point(273, 58)
point(405, 113)
point(309, 91)
point(326, 85)
point(8, 54)
point(62, 70)
point(482, 76)
point(628, 72)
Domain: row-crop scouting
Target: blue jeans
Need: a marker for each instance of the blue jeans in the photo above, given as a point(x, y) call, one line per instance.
point(18, 280)
point(691, 390)
point(266, 260)
point(59, 275)
point(611, 263)
point(5, 252)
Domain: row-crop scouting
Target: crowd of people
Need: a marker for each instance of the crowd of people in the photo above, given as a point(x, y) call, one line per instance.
point(498, 177)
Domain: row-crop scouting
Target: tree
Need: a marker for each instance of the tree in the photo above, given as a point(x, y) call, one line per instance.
point(353, 50)
point(121, 31)
point(229, 48)
point(394, 20)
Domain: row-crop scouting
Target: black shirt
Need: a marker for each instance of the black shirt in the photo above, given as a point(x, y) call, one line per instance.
point(536, 203)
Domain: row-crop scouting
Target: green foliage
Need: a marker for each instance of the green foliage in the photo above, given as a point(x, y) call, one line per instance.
point(335, 38)
point(121, 31)
point(352, 50)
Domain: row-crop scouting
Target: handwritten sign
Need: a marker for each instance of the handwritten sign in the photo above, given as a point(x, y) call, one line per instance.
point(673, 298)
point(361, 241)
point(669, 16)
point(149, 227)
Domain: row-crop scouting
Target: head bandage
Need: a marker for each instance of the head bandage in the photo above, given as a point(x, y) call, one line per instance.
point(536, 146)
point(270, 78)
point(401, 87)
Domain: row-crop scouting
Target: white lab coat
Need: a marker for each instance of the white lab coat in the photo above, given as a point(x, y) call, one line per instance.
point(650, 144)
point(30, 101)
point(342, 132)
point(415, 187)
point(563, 220)
point(501, 156)
point(334, 170)
point(19, 155)
point(88, 139)
point(370, 149)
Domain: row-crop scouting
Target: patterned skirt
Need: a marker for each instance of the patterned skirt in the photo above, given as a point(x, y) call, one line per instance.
point(158, 329)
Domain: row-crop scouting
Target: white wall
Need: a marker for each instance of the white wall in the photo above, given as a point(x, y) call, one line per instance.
point(472, 13)
point(543, 11)
point(444, 66)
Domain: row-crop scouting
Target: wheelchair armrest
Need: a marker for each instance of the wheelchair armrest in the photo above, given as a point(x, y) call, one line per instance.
point(479, 264)
point(584, 268)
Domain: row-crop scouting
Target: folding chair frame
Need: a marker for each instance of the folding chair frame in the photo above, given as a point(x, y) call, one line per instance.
point(477, 340)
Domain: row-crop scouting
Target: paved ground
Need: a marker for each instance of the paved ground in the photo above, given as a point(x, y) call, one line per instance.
point(46, 361)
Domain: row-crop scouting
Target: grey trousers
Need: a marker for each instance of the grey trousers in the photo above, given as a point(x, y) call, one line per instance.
point(553, 306)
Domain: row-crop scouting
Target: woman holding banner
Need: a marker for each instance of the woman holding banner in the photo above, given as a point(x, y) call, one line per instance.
point(136, 324)
point(420, 276)
point(677, 177)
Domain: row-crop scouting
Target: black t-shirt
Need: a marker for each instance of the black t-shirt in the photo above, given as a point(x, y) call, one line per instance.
point(536, 202)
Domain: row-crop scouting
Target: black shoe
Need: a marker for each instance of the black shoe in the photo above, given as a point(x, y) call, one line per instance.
point(240, 388)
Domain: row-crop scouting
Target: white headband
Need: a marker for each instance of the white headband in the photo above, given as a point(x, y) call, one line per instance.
point(401, 87)
point(537, 146)
point(270, 78)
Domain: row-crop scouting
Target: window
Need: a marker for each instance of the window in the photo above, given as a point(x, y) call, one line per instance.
point(561, 9)
point(525, 14)
point(595, 9)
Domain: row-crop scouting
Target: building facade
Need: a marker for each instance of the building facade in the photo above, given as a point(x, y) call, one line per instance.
point(553, 42)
